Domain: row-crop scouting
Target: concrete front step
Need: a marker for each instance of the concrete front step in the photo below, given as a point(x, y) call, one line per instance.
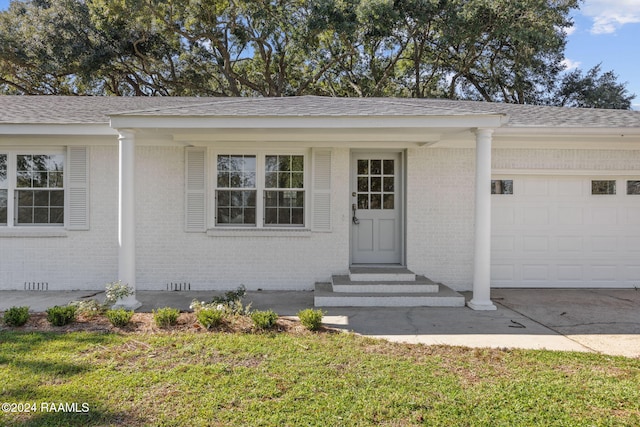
point(445, 297)
point(381, 273)
point(420, 285)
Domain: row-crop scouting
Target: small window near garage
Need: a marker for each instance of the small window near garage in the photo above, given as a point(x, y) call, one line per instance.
point(501, 186)
point(603, 187)
point(633, 187)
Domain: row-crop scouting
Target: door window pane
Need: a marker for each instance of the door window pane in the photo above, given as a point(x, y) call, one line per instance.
point(376, 184)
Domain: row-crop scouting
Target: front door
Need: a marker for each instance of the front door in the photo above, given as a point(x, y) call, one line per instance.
point(376, 203)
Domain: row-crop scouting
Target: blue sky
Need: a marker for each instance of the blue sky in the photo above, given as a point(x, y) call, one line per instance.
point(604, 31)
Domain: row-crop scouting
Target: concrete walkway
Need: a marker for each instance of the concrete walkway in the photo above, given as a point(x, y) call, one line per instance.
point(601, 321)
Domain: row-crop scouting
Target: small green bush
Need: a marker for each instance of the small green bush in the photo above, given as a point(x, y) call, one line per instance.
point(61, 315)
point(311, 319)
point(16, 316)
point(165, 317)
point(264, 319)
point(88, 308)
point(209, 317)
point(120, 317)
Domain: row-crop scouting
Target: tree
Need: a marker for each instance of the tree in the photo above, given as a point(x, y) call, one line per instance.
point(592, 90)
point(491, 50)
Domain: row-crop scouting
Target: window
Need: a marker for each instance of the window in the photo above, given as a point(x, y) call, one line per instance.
point(31, 189)
point(236, 194)
point(501, 186)
point(278, 178)
point(283, 195)
point(633, 187)
point(603, 187)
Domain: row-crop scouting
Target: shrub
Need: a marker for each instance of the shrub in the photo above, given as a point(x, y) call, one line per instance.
point(88, 308)
point(165, 317)
point(311, 319)
point(232, 301)
point(120, 317)
point(116, 291)
point(209, 317)
point(61, 315)
point(264, 319)
point(16, 316)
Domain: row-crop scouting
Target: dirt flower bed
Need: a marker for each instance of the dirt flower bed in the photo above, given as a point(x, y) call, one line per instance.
point(144, 323)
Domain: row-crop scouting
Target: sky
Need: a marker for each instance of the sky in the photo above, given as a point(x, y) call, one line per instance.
point(604, 31)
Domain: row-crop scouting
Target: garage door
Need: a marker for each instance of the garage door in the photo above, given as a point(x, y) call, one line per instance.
point(565, 231)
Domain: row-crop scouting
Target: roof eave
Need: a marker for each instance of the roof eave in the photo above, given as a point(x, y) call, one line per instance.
point(327, 122)
point(92, 129)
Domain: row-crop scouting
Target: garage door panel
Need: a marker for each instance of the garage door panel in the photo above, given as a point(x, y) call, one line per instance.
point(570, 272)
point(570, 215)
point(552, 232)
point(536, 216)
point(503, 244)
point(571, 244)
point(603, 272)
point(632, 216)
point(632, 243)
point(535, 244)
point(535, 272)
point(604, 216)
point(504, 216)
point(604, 244)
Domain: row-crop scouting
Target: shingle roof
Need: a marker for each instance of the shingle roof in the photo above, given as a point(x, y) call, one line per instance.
point(96, 110)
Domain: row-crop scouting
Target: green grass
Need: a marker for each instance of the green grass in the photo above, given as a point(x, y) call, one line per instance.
point(267, 379)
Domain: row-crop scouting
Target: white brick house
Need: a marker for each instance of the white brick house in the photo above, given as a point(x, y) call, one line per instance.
point(220, 192)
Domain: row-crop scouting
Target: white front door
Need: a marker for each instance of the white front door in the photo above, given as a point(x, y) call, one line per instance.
point(376, 203)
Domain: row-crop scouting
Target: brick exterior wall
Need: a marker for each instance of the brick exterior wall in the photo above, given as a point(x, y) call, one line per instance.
point(439, 212)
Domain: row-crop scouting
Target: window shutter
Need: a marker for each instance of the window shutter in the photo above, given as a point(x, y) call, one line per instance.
point(195, 189)
point(77, 188)
point(321, 191)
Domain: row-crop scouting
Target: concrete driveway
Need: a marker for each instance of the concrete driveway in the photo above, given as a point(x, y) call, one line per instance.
point(600, 321)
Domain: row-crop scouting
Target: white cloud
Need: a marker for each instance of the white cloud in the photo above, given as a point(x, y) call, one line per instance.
point(609, 15)
point(570, 64)
point(570, 30)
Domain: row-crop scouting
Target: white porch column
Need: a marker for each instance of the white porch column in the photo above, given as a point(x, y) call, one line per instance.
point(482, 253)
point(127, 217)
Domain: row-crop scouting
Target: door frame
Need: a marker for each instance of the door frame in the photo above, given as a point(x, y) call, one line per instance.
point(402, 194)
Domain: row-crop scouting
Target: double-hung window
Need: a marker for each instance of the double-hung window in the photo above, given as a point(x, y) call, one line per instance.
point(31, 189)
point(260, 190)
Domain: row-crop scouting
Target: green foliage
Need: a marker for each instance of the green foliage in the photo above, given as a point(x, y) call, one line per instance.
point(166, 316)
point(116, 291)
point(88, 308)
point(231, 302)
point(61, 315)
point(264, 319)
point(309, 380)
point(311, 319)
point(592, 90)
point(120, 317)
point(16, 316)
point(499, 50)
point(210, 317)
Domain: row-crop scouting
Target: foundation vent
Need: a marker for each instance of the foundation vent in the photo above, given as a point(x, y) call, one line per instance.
point(36, 286)
point(179, 286)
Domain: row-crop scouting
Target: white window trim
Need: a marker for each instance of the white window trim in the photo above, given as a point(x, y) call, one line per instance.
point(33, 230)
point(246, 230)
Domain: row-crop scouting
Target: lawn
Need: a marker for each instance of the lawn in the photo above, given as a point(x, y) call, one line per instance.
point(187, 378)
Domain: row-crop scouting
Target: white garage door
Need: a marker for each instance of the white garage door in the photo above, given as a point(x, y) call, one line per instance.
point(553, 231)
